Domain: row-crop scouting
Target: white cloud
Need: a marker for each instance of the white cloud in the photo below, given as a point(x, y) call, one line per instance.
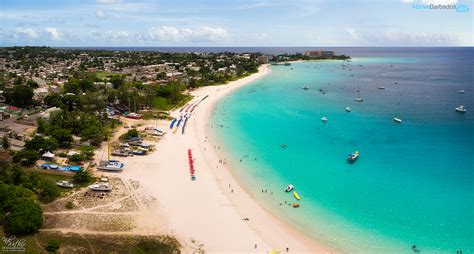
point(100, 14)
point(114, 35)
point(110, 1)
point(432, 1)
point(204, 33)
point(26, 31)
point(439, 1)
point(414, 38)
point(354, 35)
point(53, 33)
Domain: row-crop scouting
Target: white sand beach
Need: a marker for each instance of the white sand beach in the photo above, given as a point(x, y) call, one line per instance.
point(206, 210)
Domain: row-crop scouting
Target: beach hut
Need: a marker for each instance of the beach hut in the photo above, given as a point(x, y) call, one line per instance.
point(48, 156)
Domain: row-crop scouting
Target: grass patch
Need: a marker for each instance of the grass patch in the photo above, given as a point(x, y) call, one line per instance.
point(102, 75)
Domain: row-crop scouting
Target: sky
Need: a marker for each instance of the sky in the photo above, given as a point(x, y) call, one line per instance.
point(214, 23)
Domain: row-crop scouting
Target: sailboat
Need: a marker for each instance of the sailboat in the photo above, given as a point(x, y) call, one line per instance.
point(396, 118)
point(358, 99)
point(110, 165)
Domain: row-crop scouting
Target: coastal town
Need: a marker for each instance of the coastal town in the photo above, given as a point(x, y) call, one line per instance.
point(69, 118)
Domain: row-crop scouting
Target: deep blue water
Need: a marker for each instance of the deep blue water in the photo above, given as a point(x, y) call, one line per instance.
point(414, 181)
point(352, 51)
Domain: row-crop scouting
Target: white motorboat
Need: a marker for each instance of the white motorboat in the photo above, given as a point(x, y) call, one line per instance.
point(305, 88)
point(324, 119)
point(397, 120)
point(289, 188)
point(65, 184)
point(381, 87)
point(358, 99)
point(100, 186)
point(461, 109)
point(462, 91)
point(348, 109)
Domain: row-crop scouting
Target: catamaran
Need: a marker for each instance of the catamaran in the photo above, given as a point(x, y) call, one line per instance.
point(110, 165)
point(461, 109)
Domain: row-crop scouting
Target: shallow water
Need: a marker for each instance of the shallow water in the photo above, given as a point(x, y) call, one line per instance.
point(413, 182)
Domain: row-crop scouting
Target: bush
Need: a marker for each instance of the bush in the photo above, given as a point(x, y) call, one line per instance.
point(87, 152)
point(133, 133)
point(69, 205)
point(76, 158)
point(82, 176)
point(52, 246)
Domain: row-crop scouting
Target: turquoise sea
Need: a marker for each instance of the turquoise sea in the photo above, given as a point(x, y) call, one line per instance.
point(413, 183)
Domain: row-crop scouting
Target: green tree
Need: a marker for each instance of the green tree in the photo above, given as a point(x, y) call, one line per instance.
point(161, 75)
point(32, 84)
point(76, 158)
point(117, 81)
point(48, 191)
point(5, 143)
point(24, 218)
point(63, 136)
point(82, 176)
point(54, 100)
point(93, 133)
point(26, 157)
point(87, 152)
point(20, 96)
point(41, 144)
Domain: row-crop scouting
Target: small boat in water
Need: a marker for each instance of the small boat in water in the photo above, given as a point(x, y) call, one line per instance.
point(461, 109)
point(324, 119)
point(289, 188)
point(353, 156)
point(296, 195)
point(305, 88)
point(65, 184)
point(100, 186)
point(348, 109)
point(381, 87)
point(295, 205)
point(358, 99)
point(397, 120)
point(462, 91)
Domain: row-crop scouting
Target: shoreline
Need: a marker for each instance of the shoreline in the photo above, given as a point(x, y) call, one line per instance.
point(251, 203)
point(211, 209)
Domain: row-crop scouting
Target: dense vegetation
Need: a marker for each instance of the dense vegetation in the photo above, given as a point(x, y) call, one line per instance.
point(21, 191)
